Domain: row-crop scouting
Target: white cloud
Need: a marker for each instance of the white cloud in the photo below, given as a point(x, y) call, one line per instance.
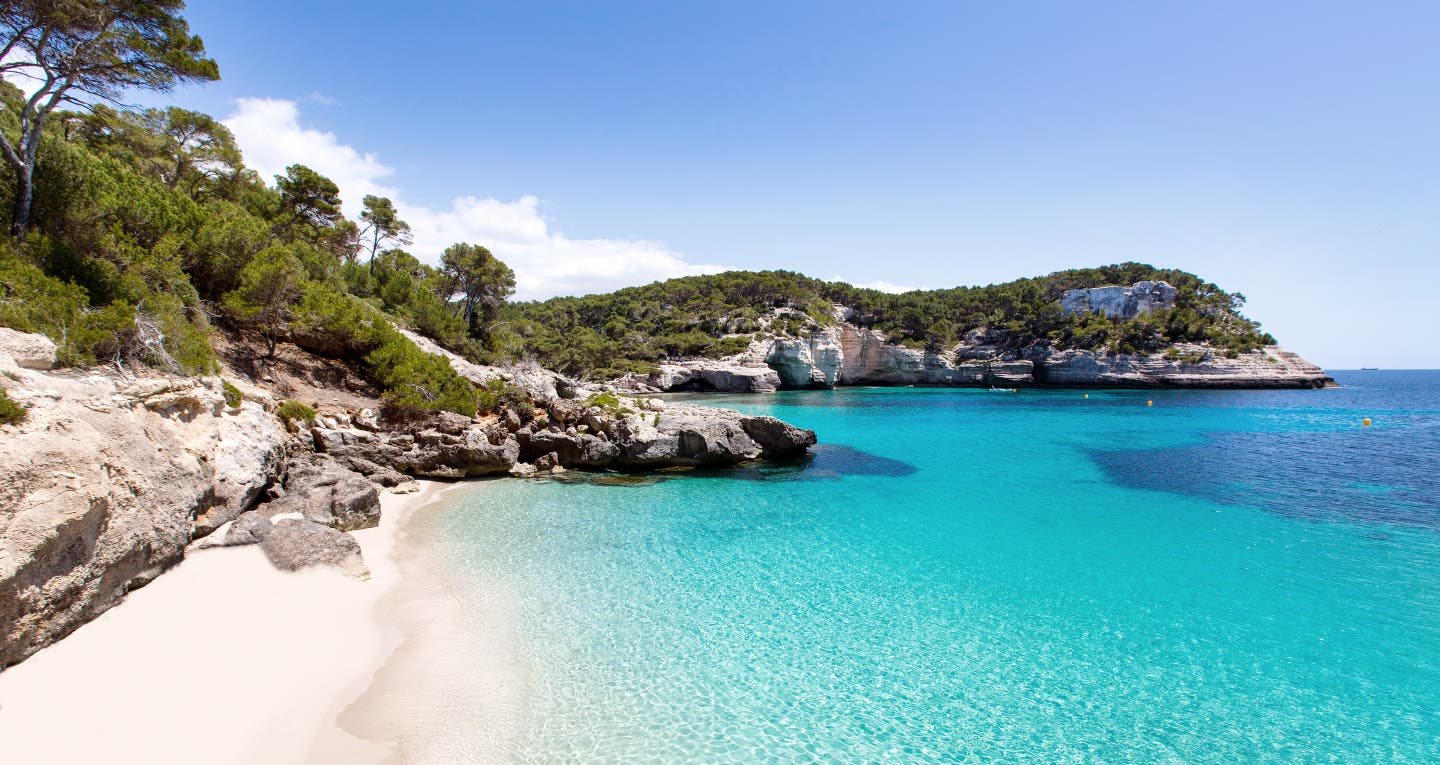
point(269, 133)
point(546, 262)
point(879, 284)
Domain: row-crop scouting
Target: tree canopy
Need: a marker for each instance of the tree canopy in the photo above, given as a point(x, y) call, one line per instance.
point(81, 52)
point(148, 230)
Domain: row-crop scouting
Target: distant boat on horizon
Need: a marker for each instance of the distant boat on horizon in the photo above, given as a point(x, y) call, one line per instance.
point(1369, 369)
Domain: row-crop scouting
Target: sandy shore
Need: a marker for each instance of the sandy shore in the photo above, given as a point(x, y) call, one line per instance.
point(226, 660)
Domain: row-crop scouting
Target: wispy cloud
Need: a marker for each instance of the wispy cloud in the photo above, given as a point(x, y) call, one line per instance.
point(546, 262)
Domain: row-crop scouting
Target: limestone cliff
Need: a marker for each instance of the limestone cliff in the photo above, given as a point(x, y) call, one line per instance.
point(1119, 302)
point(844, 354)
point(104, 485)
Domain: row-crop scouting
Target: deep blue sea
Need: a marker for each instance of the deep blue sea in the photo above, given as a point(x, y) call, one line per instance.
point(968, 576)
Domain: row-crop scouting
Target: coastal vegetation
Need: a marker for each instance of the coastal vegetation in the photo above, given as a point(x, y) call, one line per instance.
point(135, 234)
point(603, 336)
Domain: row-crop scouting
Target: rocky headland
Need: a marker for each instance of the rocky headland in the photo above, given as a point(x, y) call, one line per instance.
point(843, 353)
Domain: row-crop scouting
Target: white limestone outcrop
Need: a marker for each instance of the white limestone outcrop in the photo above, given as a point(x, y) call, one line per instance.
point(1118, 302)
point(102, 485)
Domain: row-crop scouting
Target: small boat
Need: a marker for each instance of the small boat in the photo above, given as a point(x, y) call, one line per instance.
point(1369, 369)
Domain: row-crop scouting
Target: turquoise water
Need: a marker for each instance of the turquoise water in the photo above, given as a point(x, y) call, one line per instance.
point(966, 576)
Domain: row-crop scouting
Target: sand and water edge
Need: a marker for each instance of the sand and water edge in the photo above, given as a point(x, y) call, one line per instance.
point(226, 659)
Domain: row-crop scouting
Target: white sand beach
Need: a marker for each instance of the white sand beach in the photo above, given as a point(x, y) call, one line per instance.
point(224, 659)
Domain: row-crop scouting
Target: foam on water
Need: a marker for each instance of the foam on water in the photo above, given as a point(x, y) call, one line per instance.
point(962, 576)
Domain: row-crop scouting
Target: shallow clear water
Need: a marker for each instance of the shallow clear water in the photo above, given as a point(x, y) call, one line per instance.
point(967, 576)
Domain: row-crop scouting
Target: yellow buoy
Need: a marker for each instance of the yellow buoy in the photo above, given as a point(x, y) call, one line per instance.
point(1366, 422)
point(1087, 395)
point(1149, 403)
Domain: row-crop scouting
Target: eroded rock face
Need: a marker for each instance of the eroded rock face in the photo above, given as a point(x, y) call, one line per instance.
point(844, 354)
point(1272, 367)
point(1119, 302)
point(848, 355)
point(101, 487)
point(709, 375)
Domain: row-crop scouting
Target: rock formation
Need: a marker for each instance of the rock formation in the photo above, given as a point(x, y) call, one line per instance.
point(1118, 302)
point(105, 483)
point(113, 476)
point(844, 354)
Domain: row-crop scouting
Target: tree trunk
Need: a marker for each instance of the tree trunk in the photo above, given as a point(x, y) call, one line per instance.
point(24, 193)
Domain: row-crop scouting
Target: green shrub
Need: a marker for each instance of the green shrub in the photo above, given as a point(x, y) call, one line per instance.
point(498, 394)
point(294, 410)
point(610, 403)
point(11, 413)
point(233, 396)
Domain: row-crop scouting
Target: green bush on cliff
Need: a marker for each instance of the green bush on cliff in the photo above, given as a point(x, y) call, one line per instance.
point(294, 410)
point(11, 413)
point(233, 396)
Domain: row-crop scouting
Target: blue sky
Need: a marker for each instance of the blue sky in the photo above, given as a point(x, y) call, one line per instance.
point(1290, 151)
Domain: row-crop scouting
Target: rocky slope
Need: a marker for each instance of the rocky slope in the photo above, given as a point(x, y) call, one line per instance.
point(111, 478)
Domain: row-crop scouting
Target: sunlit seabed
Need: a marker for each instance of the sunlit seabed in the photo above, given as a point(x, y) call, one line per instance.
point(967, 576)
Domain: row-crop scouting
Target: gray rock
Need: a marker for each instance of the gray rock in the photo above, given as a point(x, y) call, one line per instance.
point(449, 422)
point(579, 450)
point(250, 528)
point(329, 494)
point(294, 544)
point(354, 505)
point(776, 437)
point(547, 462)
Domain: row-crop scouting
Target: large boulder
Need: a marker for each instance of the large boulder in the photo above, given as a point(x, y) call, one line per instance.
point(580, 450)
point(26, 349)
point(777, 438)
point(295, 544)
point(329, 494)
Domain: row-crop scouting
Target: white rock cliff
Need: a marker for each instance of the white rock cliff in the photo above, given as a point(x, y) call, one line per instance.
point(102, 485)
